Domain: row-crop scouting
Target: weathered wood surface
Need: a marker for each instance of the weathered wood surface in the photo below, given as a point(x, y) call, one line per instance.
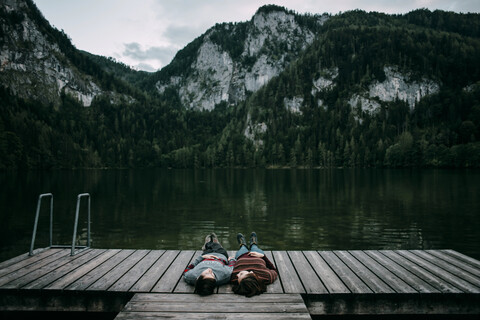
point(218, 306)
point(332, 282)
point(304, 272)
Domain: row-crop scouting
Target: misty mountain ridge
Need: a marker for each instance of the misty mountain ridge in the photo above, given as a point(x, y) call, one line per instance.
point(283, 89)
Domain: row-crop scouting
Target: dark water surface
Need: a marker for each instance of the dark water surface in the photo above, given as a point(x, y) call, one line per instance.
point(289, 209)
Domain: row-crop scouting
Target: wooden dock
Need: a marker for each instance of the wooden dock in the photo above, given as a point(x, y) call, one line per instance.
point(149, 283)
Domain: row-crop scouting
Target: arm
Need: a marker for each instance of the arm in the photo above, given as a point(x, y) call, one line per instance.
point(273, 275)
point(193, 264)
point(231, 262)
point(190, 276)
point(196, 261)
point(269, 264)
point(188, 268)
point(256, 254)
point(209, 256)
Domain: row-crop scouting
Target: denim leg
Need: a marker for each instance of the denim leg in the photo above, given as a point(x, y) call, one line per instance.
point(255, 248)
point(243, 249)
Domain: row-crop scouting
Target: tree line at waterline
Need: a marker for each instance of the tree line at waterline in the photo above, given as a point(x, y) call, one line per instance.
point(115, 136)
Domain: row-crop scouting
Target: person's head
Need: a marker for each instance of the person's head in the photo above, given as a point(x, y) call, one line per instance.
point(205, 283)
point(248, 284)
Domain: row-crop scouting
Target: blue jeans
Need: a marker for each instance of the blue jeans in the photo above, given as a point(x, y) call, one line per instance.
point(244, 250)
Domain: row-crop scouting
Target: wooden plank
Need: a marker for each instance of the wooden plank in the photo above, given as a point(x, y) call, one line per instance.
point(456, 262)
point(63, 270)
point(174, 273)
point(6, 263)
point(71, 277)
point(448, 277)
point(40, 272)
point(118, 271)
point(275, 287)
point(217, 298)
point(152, 276)
point(182, 286)
point(290, 280)
point(136, 272)
point(60, 304)
point(348, 277)
point(331, 281)
point(230, 307)
point(310, 280)
point(383, 273)
point(217, 315)
point(95, 274)
point(460, 256)
point(194, 306)
point(410, 278)
point(37, 264)
point(423, 274)
point(369, 278)
point(393, 306)
point(24, 260)
point(459, 272)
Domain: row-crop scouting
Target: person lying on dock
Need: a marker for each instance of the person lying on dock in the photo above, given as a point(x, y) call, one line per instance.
point(253, 271)
point(212, 268)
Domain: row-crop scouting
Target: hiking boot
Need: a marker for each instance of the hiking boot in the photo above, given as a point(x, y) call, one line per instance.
point(241, 240)
point(207, 240)
point(253, 239)
point(215, 238)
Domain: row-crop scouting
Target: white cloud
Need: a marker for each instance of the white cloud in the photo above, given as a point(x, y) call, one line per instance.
point(134, 32)
point(156, 57)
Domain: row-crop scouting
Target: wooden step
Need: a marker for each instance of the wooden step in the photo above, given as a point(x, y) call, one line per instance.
point(215, 306)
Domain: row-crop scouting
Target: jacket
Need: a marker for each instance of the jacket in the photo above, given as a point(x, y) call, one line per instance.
point(262, 267)
point(220, 267)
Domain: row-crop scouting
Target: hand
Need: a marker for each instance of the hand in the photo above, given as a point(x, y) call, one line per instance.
point(231, 258)
point(255, 254)
point(209, 256)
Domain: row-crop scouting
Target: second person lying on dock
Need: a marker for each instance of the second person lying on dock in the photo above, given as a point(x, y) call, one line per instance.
point(211, 269)
point(253, 271)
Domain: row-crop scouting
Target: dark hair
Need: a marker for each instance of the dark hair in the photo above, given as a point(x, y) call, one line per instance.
point(205, 286)
point(250, 285)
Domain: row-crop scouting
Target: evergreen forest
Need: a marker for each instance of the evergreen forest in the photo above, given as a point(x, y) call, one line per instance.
point(442, 130)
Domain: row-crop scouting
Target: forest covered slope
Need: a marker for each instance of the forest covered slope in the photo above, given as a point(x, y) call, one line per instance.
point(357, 89)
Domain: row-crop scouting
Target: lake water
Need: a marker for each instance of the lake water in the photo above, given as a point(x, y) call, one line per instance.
point(289, 209)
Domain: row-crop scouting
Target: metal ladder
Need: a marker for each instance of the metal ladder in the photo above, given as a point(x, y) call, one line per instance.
point(75, 249)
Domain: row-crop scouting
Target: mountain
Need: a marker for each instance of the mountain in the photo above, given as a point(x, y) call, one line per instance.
point(374, 89)
point(230, 61)
point(39, 62)
point(357, 89)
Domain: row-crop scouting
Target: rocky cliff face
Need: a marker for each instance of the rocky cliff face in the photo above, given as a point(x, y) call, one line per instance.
point(33, 66)
point(272, 40)
point(395, 86)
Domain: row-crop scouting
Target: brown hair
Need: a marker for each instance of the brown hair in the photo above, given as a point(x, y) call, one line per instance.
point(250, 285)
point(205, 286)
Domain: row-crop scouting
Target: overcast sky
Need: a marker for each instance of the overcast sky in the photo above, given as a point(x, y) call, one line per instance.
point(146, 34)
